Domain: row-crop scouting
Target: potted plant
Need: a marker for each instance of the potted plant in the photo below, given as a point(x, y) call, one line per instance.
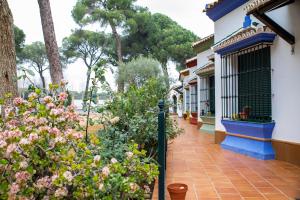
point(246, 113)
point(177, 191)
point(194, 114)
point(184, 116)
point(188, 115)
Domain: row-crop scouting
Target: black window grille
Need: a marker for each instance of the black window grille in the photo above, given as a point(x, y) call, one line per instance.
point(212, 94)
point(187, 100)
point(207, 95)
point(194, 106)
point(246, 84)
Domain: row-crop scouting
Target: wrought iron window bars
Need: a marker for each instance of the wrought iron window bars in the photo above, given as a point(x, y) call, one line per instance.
point(246, 84)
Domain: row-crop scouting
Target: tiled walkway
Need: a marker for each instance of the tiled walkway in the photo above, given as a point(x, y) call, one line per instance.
point(213, 173)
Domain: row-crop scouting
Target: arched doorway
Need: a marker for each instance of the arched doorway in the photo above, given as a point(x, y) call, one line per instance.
point(174, 104)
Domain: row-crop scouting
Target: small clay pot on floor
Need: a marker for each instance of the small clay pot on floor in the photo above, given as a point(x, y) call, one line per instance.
point(177, 191)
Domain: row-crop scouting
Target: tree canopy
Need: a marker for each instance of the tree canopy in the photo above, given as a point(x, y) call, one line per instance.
point(159, 36)
point(87, 45)
point(19, 40)
point(106, 12)
point(93, 48)
point(139, 70)
point(35, 55)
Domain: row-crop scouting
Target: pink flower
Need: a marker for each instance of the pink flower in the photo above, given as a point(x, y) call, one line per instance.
point(24, 141)
point(50, 106)
point(133, 187)
point(28, 128)
point(113, 160)
point(61, 119)
point(129, 154)
point(77, 135)
point(26, 113)
point(44, 182)
point(62, 96)
point(55, 131)
point(105, 171)
point(68, 175)
point(14, 188)
point(56, 112)
point(23, 165)
point(14, 134)
point(101, 186)
point(30, 120)
point(33, 96)
point(2, 144)
point(11, 148)
point(97, 158)
point(18, 101)
point(41, 121)
point(147, 189)
point(61, 192)
point(47, 99)
point(54, 177)
point(60, 139)
point(22, 176)
point(33, 137)
point(12, 124)
point(44, 129)
point(9, 111)
point(71, 108)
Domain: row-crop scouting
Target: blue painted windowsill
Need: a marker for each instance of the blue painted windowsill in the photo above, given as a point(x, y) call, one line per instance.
point(255, 39)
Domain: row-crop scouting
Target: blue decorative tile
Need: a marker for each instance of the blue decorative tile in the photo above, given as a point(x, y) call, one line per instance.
point(249, 139)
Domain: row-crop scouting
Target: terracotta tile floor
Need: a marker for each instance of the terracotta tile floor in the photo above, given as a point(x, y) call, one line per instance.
point(213, 173)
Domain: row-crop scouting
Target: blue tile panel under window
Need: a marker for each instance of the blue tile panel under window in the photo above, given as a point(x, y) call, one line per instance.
point(246, 85)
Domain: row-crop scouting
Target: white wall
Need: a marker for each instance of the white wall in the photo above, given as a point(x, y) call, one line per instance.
point(202, 58)
point(286, 74)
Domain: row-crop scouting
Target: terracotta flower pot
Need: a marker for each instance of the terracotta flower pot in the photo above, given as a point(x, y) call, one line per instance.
point(194, 114)
point(177, 191)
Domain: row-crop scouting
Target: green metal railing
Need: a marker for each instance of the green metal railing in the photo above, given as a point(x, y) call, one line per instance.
point(162, 146)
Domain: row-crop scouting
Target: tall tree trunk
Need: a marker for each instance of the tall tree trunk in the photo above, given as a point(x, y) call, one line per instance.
point(8, 69)
point(50, 41)
point(43, 80)
point(119, 51)
point(86, 91)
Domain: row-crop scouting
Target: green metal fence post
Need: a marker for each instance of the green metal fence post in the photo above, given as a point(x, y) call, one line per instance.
point(161, 151)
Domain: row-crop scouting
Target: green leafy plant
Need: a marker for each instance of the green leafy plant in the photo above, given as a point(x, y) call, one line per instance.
point(44, 156)
point(137, 112)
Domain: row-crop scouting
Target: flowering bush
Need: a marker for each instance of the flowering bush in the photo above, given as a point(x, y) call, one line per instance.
point(42, 156)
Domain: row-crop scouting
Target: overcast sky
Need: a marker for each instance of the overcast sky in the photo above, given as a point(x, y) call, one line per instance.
point(187, 13)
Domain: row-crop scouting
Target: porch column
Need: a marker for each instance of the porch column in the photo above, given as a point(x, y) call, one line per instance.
point(198, 96)
point(184, 100)
point(190, 106)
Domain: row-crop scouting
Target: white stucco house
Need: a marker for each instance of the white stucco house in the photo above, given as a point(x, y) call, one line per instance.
point(198, 85)
point(176, 100)
point(257, 85)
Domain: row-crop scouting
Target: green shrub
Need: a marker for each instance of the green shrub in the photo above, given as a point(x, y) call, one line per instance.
point(137, 111)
